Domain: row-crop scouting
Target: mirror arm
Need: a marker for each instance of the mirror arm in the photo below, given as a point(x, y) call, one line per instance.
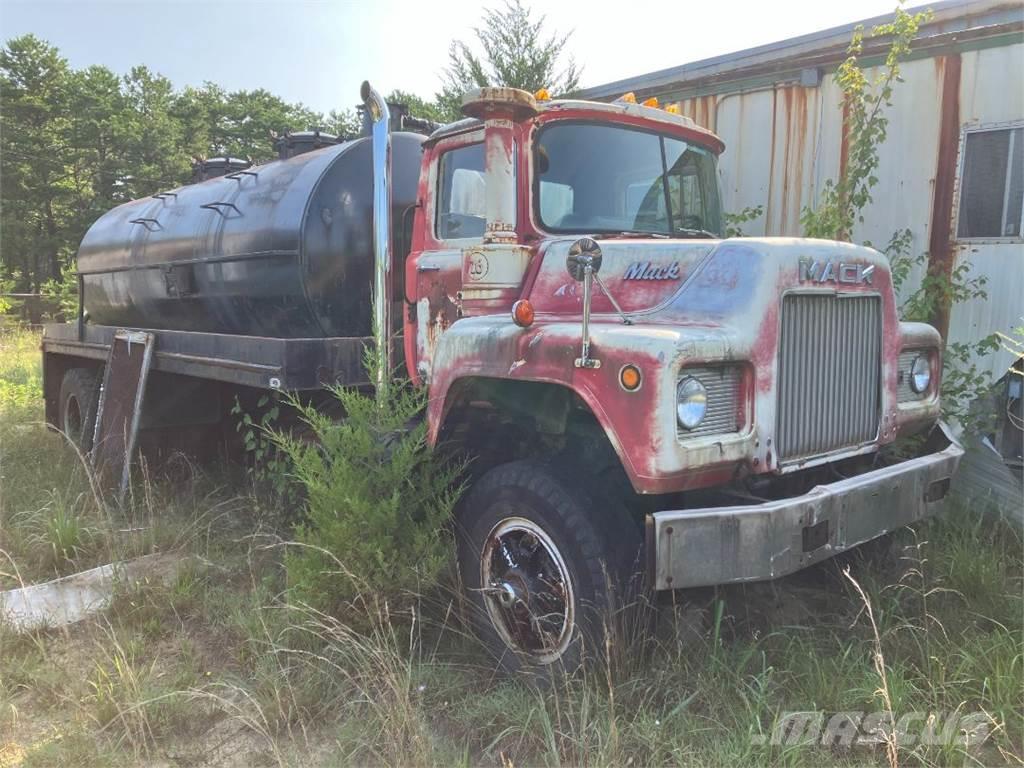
point(615, 304)
point(584, 360)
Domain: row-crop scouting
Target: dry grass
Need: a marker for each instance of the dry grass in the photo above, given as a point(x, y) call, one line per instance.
point(219, 668)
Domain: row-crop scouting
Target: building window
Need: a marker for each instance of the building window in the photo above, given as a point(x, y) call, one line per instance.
point(992, 184)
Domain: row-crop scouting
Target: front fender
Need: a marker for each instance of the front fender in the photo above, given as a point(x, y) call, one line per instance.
point(640, 425)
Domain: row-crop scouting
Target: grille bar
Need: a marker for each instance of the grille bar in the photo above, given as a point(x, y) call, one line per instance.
point(829, 369)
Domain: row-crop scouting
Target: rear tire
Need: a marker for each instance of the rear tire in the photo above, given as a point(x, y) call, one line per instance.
point(79, 397)
point(545, 561)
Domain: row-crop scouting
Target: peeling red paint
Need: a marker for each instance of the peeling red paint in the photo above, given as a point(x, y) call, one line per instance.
point(719, 304)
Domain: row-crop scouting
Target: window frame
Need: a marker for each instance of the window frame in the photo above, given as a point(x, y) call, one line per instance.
point(535, 212)
point(967, 130)
point(466, 141)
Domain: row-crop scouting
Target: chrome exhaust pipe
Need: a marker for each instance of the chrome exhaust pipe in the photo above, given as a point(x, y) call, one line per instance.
point(380, 116)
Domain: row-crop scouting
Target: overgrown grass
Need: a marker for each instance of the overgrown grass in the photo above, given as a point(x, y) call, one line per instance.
point(218, 667)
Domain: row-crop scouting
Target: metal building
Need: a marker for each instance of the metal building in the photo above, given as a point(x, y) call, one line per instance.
point(951, 169)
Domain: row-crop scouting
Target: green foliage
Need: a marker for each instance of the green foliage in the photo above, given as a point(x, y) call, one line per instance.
point(21, 377)
point(64, 293)
point(734, 221)
point(418, 107)
point(516, 53)
point(864, 101)
point(269, 467)
point(962, 379)
point(6, 286)
point(378, 502)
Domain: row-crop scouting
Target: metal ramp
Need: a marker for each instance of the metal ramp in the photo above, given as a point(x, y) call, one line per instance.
point(120, 408)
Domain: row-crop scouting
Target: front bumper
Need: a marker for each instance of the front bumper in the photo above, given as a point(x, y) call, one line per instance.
point(720, 545)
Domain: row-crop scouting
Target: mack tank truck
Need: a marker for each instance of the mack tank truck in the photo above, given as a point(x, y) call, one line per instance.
point(639, 393)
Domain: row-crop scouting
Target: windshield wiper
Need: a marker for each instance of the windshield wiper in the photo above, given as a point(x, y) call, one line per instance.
point(688, 232)
point(629, 233)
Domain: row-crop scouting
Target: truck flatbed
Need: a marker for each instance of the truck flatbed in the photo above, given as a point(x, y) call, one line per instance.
point(252, 361)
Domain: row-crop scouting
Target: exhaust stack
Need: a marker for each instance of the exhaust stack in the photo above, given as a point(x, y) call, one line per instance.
point(380, 117)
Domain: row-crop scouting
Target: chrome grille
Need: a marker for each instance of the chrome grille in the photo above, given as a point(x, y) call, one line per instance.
point(829, 363)
point(904, 394)
point(722, 383)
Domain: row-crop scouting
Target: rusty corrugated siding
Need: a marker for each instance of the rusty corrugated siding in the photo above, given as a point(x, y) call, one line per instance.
point(784, 141)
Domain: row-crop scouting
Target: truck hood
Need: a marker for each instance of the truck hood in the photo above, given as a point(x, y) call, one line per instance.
point(707, 282)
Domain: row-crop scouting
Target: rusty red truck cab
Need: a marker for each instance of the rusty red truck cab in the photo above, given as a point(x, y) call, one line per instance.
point(570, 296)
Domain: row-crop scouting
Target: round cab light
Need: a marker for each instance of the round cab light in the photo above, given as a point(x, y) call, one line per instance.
point(691, 403)
point(630, 378)
point(920, 374)
point(522, 313)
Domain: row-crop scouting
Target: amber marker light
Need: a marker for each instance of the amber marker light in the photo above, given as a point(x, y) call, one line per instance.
point(628, 98)
point(542, 94)
point(522, 313)
point(630, 378)
point(651, 102)
point(672, 109)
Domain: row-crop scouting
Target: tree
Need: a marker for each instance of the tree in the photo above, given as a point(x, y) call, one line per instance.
point(34, 81)
point(75, 143)
point(516, 53)
point(418, 107)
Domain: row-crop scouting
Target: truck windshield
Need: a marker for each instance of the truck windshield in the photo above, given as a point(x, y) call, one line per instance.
point(610, 178)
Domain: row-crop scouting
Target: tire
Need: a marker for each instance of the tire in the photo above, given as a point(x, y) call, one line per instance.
point(543, 564)
point(79, 397)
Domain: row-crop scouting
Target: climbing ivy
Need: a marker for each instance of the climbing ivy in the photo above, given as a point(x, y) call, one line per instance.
point(866, 124)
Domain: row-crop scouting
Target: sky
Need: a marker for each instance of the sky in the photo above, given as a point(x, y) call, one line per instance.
point(318, 51)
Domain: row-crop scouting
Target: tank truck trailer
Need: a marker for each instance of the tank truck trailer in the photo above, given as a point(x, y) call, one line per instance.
point(638, 392)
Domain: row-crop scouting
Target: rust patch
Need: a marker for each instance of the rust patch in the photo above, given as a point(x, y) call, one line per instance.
point(771, 164)
point(703, 110)
point(940, 247)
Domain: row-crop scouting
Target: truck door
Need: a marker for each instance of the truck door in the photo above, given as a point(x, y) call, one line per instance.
point(451, 220)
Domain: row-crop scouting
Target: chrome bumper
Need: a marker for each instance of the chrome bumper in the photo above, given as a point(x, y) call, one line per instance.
point(719, 545)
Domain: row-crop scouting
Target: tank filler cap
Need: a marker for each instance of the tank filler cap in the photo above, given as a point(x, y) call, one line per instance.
point(500, 103)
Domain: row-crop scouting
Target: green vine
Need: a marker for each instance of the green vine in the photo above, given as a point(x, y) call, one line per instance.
point(734, 221)
point(865, 125)
point(268, 467)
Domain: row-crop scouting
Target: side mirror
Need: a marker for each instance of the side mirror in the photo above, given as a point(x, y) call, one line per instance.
point(583, 253)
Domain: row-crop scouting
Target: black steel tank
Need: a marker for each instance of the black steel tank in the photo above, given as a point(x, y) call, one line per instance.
point(283, 249)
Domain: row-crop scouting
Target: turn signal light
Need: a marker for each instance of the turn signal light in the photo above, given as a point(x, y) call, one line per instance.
point(522, 313)
point(542, 95)
point(630, 378)
point(651, 102)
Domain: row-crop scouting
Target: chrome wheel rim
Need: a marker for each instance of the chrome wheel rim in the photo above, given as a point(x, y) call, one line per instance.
point(527, 589)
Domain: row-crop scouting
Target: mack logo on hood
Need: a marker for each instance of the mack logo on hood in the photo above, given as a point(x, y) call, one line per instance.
point(850, 273)
point(646, 270)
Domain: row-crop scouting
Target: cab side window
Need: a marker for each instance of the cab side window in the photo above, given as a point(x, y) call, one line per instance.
point(461, 197)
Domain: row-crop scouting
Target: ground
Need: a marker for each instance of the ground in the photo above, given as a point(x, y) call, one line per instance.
point(219, 668)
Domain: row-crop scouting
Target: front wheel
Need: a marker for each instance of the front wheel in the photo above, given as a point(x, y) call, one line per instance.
point(545, 562)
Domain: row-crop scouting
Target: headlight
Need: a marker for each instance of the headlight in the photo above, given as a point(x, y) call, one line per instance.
point(691, 403)
point(920, 374)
